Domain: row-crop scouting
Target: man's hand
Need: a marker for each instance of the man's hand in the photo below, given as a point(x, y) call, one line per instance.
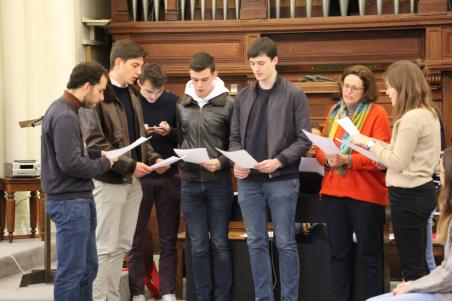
point(240, 172)
point(336, 160)
point(163, 129)
point(268, 166)
point(212, 165)
point(401, 288)
point(162, 169)
point(112, 160)
point(141, 169)
point(147, 129)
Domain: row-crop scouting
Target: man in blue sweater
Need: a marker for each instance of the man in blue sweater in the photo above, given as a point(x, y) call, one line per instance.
point(67, 170)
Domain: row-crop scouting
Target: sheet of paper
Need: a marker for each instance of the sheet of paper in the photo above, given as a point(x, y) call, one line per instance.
point(193, 155)
point(311, 165)
point(360, 150)
point(166, 162)
point(240, 157)
point(325, 144)
point(121, 151)
point(347, 124)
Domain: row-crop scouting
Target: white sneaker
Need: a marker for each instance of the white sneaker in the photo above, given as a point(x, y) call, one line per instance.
point(139, 298)
point(169, 297)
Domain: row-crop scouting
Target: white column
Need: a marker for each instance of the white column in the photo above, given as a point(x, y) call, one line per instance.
point(38, 39)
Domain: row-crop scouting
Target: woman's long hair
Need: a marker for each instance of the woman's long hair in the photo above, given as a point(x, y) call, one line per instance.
point(413, 90)
point(445, 198)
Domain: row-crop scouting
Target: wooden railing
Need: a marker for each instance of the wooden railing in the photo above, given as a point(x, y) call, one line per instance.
point(170, 10)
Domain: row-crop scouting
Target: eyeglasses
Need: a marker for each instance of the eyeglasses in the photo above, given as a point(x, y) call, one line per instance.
point(352, 88)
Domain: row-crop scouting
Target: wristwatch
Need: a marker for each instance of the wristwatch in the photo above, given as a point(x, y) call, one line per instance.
point(370, 144)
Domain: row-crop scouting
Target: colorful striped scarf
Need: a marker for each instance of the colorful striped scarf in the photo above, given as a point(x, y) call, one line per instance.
point(340, 111)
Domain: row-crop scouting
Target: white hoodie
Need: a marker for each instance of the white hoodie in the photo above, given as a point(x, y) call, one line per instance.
point(218, 89)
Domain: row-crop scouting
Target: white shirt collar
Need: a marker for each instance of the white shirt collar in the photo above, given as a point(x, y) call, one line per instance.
point(115, 83)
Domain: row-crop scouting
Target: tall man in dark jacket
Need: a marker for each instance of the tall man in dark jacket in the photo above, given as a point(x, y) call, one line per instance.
point(117, 122)
point(206, 195)
point(67, 170)
point(268, 120)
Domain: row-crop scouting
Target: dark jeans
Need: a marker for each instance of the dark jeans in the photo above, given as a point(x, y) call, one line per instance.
point(345, 216)
point(165, 193)
point(410, 210)
point(207, 208)
point(75, 222)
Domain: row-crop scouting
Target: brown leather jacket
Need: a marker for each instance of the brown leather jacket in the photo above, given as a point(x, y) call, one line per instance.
point(105, 128)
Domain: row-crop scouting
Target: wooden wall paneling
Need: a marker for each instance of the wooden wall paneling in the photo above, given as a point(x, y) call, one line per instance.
point(447, 105)
point(431, 7)
point(433, 44)
point(119, 11)
point(446, 44)
point(171, 13)
point(174, 51)
point(253, 9)
point(349, 47)
point(285, 25)
point(321, 96)
point(257, 9)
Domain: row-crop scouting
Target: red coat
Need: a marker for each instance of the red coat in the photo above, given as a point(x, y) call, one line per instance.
point(364, 181)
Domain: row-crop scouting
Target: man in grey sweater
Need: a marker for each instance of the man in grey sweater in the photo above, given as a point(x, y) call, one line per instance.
point(67, 170)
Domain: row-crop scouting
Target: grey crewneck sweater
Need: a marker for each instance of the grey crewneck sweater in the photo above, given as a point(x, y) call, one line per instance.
point(66, 166)
point(439, 281)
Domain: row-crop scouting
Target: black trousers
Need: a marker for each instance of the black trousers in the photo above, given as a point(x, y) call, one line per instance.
point(165, 193)
point(344, 217)
point(410, 210)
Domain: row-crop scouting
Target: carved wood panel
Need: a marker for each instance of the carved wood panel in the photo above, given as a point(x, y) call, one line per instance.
point(447, 43)
point(350, 47)
point(447, 106)
point(433, 47)
point(119, 11)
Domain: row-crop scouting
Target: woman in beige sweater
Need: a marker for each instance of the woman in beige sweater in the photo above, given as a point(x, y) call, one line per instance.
point(437, 285)
point(410, 158)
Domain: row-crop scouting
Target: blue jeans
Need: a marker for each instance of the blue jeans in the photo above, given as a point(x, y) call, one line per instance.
point(405, 297)
point(207, 208)
point(75, 222)
point(281, 198)
point(429, 248)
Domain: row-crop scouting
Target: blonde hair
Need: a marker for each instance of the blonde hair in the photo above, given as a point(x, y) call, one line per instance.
point(413, 90)
point(445, 198)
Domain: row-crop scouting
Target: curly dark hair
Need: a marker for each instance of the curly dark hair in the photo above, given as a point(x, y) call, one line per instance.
point(90, 72)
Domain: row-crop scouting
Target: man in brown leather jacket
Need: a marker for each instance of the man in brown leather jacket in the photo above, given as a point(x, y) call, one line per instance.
point(203, 116)
point(117, 122)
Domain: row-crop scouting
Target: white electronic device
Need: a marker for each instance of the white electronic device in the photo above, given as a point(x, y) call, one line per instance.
point(22, 168)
